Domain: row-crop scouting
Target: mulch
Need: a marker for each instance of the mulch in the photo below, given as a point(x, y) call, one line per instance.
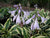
point(25, 8)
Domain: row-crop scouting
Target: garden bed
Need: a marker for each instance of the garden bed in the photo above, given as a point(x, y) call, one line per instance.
point(21, 23)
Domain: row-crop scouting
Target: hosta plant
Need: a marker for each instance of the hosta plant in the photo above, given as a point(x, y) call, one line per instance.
point(8, 31)
point(4, 15)
point(4, 29)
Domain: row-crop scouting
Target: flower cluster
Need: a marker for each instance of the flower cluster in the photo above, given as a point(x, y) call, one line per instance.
point(19, 17)
point(36, 25)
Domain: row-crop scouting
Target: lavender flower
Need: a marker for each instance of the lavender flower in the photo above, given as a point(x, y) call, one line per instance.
point(15, 5)
point(20, 7)
point(28, 21)
point(14, 17)
point(43, 19)
point(35, 26)
point(19, 11)
point(33, 16)
point(12, 12)
point(18, 20)
point(37, 12)
point(32, 26)
point(25, 14)
point(39, 15)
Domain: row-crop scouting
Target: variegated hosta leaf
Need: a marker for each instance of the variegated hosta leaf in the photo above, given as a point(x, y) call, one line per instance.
point(14, 32)
point(1, 31)
point(1, 26)
point(32, 37)
point(45, 27)
point(48, 22)
point(13, 28)
point(39, 37)
point(7, 24)
point(48, 31)
point(26, 32)
point(22, 31)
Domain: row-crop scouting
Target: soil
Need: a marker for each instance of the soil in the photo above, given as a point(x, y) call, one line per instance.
point(25, 8)
point(10, 5)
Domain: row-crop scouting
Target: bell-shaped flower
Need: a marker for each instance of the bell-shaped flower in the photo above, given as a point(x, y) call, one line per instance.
point(32, 26)
point(18, 20)
point(33, 16)
point(14, 17)
point(12, 12)
point(23, 20)
point(28, 21)
point(26, 14)
point(43, 19)
point(19, 11)
point(36, 25)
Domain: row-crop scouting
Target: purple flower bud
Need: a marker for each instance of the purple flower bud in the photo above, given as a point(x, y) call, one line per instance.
point(33, 16)
point(39, 15)
point(15, 5)
point(38, 12)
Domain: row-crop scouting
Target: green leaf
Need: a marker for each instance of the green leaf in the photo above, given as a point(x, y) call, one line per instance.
point(13, 28)
point(45, 27)
point(7, 24)
point(20, 31)
point(14, 32)
point(24, 33)
point(48, 22)
point(41, 37)
point(48, 32)
point(1, 26)
point(32, 37)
